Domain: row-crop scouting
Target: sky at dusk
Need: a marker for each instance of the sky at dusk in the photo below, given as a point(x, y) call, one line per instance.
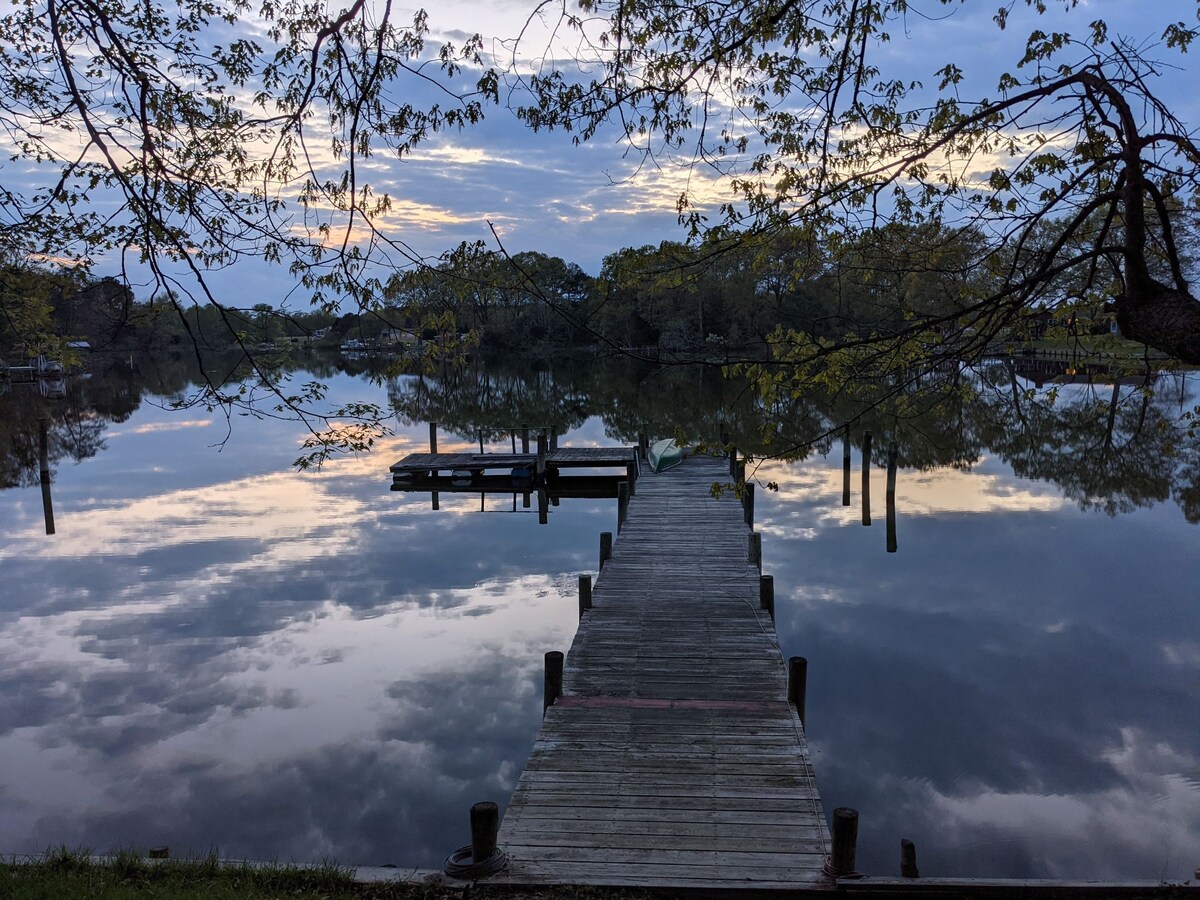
point(542, 192)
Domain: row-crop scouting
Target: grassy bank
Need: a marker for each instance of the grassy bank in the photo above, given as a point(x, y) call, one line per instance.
point(66, 874)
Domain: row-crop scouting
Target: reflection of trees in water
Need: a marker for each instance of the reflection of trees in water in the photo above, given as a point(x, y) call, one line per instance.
point(1109, 447)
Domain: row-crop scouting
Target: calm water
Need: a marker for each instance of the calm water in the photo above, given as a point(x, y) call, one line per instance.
point(215, 651)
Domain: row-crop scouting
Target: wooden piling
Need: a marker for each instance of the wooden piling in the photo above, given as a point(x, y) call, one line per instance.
point(553, 439)
point(553, 682)
point(845, 841)
point(866, 478)
point(485, 826)
point(908, 859)
point(585, 594)
point(748, 504)
point(891, 498)
point(541, 455)
point(798, 684)
point(631, 475)
point(44, 473)
point(733, 462)
point(622, 504)
point(524, 438)
point(755, 554)
point(846, 467)
point(434, 501)
point(766, 594)
point(481, 442)
point(605, 547)
point(433, 437)
point(543, 505)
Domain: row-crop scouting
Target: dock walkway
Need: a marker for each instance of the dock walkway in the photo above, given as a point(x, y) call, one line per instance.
point(673, 758)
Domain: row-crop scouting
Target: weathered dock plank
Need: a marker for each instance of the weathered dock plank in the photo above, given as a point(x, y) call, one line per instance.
point(673, 758)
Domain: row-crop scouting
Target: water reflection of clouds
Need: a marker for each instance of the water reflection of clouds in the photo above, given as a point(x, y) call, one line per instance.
point(1006, 690)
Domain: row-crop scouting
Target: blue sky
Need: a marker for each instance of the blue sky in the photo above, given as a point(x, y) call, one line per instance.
point(541, 192)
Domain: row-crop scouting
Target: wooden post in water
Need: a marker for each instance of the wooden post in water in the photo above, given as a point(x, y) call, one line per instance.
point(553, 682)
point(605, 548)
point(513, 435)
point(798, 684)
point(766, 594)
point(748, 504)
point(908, 859)
point(585, 594)
point(481, 442)
point(866, 478)
point(541, 455)
point(891, 498)
point(845, 841)
point(433, 437)
point(524, 438)
point(543, 505)
point(622, 504)
point(435, 500)
point(756, 550)
point(44, 473)
point(553, 439)
point(846, 467)
point(485, 826)
point(642, 443)
point(631, 475)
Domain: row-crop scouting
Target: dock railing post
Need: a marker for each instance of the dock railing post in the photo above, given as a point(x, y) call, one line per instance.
point(485, 826)
point(524, 438)
point(798, 684)
point(908, 859)
point(631, 475)
point(585, 594)
point(845, 842)
point(433, 437)
point(756, 550)
point(748, 504)
point(866, 478)
point(605, 548)
point(622, 504)
point(552, 684)
point(766, 594)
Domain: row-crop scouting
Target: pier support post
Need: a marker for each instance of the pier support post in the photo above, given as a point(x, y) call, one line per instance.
point(485, 826)
point(845, 842)
point(553, 682)
point(481, 442)
point(846, 467)
point(44, 473)
point(739, 471)
point(866, 478)
point(766, 594)
point(605, 548)
point(733, 462)
point(798, 684)
point(748, 504)
point(891, 498)
point(543, 505)
point(524, 438)
point(585, 594)
point(541, 455)
point(631, 475)
point(756, 550)
point(553, 439)
point(908, 859)
point(622, 504)
point(433, 437)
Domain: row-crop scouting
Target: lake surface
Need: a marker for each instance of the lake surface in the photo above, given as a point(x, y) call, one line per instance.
point(217, 651)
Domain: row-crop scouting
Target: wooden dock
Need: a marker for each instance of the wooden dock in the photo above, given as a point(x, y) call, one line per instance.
point(573, 458)
point(673, 758)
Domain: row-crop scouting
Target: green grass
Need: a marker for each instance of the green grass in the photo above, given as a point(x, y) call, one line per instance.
point(67, 874)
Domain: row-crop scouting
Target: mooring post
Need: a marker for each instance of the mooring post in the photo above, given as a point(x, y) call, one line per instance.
point(485, 826)
point(733, 462)
point(908, 859)
point(553, 439)
point(524, 438)
point(541, 454)
point(756, 550)
point(739, 471)
point(748, 504)
point(891, 498)
point(798, 684)
point(866, 478)
point(543, 505)
point(605, 548)
point(433, 437)
point(552, 684)
point(622, 504)
point(44, 473)
point(585, 594)
point(846, 466)
point(845, 841)
point(513, 435)
point(481, 442)
point(435, 500)
point(766, 594)
point(631, 475)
